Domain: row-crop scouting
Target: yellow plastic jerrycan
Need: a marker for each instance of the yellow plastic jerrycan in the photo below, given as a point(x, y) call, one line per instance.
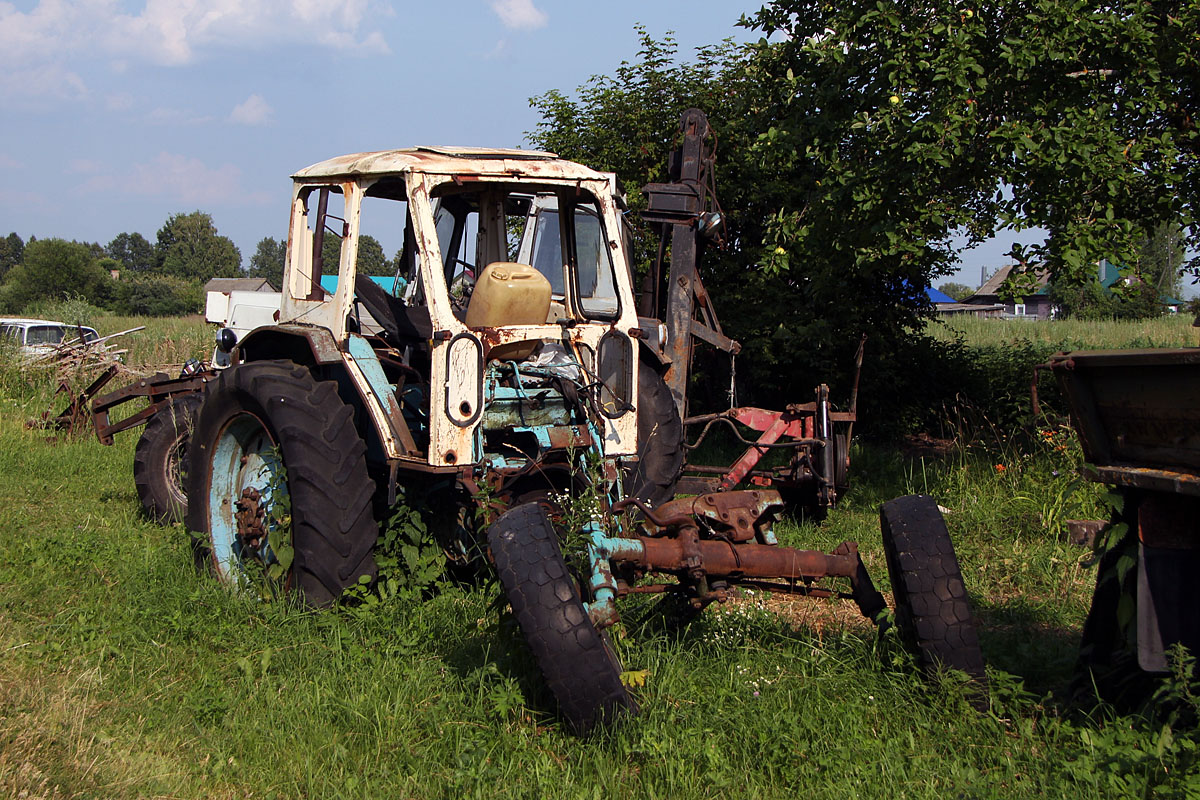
point(509, 293)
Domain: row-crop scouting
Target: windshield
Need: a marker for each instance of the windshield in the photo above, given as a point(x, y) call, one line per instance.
point(44, 334)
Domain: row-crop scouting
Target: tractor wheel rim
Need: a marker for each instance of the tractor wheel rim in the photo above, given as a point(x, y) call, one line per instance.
point(245, 463)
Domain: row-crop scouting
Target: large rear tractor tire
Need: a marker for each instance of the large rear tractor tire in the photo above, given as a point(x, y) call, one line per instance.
point(574, 658)
point(160, 460)
point(270, 427)
point(932, 612)
point(660, 441)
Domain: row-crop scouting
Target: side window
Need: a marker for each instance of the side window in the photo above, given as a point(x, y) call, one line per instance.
point(317, 248)
point(547, 250)
point(383, 227)
point(10, 333)
point(597, 288)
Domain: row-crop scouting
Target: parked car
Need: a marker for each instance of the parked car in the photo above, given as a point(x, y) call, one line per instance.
point(37, 336)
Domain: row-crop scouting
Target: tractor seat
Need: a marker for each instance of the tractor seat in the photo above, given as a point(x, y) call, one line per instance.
point(401, 324)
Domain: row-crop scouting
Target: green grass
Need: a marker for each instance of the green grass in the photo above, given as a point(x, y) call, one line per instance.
point(126, 673)
point(1168, 331)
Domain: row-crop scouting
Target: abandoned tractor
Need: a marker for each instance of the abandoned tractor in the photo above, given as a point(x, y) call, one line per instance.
point(506, 384)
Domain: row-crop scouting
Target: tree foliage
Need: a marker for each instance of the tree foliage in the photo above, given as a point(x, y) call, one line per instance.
point(268, 261)
point(959, 291)
point(12, 250)
point(1067, 115)
point(371, 258)
point(133, 252)
point(858, 140)
point(189, 247)
point(54, 270)
point(159, 296)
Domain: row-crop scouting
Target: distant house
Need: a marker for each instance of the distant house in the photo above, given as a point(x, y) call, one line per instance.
point(1031, 306)
point(1110, 275)
point(947, 306)
point(227, 285)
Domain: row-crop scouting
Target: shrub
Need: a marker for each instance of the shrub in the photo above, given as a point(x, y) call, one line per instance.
point(160, 296)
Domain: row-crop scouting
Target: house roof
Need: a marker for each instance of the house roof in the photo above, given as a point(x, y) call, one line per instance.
point(991, 288)
point(239, 285)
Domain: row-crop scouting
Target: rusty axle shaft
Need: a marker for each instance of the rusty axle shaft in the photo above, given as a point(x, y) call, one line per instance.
point(725, 559)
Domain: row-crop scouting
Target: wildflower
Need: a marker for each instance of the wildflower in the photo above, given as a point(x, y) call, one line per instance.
point(1001, 468)
point(1048, 434)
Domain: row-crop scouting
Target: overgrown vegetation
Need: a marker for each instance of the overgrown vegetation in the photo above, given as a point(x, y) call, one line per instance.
point(126, 673)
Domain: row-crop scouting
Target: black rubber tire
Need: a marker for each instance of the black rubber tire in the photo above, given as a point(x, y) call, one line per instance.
point(160, 460)
point(575, 660)
point(333, 530)
point(932, 612)
point(660, 440)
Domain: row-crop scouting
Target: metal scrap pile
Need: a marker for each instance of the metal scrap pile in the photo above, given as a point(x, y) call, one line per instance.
point(75, 356)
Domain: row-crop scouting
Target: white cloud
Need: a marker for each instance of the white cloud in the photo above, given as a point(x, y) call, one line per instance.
point(175, 116)
point(519, 14)
point(84, 166)
point(8, 162)
point(496, 52)
point(178, 179)
point(254, 111)
point(55, 34)
point(121, 101)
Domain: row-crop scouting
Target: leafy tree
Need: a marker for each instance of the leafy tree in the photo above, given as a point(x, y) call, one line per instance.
point(55, 269)
point(189, 247)
point(268, 261)
point(371, 258)
point(959, 291)
point(1160, 258)
point(12, 250)
point(159, 296)
point(860, 138)
point(1075, 117)
point(133, 252)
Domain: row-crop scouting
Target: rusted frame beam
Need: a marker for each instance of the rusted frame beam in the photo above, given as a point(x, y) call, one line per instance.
point(159, 389)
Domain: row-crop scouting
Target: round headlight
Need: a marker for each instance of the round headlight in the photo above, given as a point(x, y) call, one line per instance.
point(226, 339)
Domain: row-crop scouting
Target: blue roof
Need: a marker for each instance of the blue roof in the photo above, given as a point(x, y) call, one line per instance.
point(937, 296)
point(329, 282)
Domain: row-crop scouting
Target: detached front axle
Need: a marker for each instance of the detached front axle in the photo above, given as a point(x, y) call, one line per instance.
point(722, 538)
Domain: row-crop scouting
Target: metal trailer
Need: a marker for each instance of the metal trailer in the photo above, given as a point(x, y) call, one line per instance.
point(1137, 413)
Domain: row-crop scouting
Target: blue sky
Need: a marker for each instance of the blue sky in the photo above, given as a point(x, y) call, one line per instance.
point(116, 114)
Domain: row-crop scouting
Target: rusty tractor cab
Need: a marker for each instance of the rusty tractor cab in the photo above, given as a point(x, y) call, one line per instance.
point(497, 382)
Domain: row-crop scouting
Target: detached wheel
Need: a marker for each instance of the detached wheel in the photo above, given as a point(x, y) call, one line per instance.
point(160, 460)
point(932, 612)
point(575, 660)
point(660, 440)
point(268, 428)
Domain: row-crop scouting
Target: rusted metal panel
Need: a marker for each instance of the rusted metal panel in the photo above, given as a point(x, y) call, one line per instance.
point(726, 559)
point(462, 162)
point(381, 402)
point(742, 512)
point(158, 389)
point(1137, 413)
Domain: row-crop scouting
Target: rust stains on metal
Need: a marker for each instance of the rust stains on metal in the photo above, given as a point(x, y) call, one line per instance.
point(741, 512)
point(251, 518)
point(718, 559)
